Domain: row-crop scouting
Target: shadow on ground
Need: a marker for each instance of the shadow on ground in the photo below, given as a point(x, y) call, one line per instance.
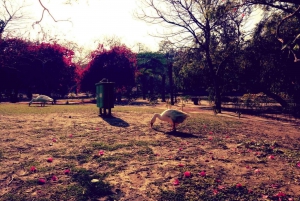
point(115, 121)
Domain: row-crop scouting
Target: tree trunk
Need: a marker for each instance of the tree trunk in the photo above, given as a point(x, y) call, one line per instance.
point(276, 97)
point(163, 90)
point(218, 101)
point(144, 87)
point(170, 71)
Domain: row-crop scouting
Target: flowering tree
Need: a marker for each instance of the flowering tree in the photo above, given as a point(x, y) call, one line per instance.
point(117, 64)
point(42, 68)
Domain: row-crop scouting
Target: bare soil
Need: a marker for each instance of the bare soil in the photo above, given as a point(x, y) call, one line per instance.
point(149, 161)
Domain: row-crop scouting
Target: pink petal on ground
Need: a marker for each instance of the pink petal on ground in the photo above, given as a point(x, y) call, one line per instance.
point(41, 181)
point(202, 174)
point(271, 157)
point(50, 160)
point(187, 174)
point(54, 178)
point(33, 169)
point(101, 152)
point(176, 182)
point(257, 171)
point(67, 171)
point(181, 165)
point(54, 140)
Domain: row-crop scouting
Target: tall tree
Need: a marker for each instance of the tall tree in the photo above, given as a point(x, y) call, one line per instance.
point(117, 64)
point(211, 26)
point(288, 10)
point(152, 66)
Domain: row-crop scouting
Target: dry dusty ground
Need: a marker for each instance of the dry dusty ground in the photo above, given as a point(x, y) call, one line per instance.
point(140, 162)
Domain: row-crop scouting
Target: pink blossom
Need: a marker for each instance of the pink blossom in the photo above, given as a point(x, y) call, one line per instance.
point(298, 164)
point(54, 178)
point(180, 149)
point(210, 132)
point(280, 194)
point(239, 185)
point(50, 160)
point(181, 165)
point(202, 174)
point(176, 182)
point(101, 152)
point(54, 140)
point(271, 157)
point(187, 174)
point(215, 192)
point(33, 169)
point(41, 181)
point(71, 135)
point(257, 171)
point(67, 171)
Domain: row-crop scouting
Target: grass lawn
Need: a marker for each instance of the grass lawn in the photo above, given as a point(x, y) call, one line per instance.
point(68, 152)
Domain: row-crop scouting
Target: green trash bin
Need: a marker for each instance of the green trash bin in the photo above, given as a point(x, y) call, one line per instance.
point(105, 97)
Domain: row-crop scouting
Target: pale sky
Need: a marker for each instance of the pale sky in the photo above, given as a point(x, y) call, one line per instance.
point(93, 20)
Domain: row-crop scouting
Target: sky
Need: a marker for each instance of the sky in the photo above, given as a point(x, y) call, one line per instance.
point(91, 21)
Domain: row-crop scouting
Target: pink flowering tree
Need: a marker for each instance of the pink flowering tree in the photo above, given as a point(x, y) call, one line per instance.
point(117, 64)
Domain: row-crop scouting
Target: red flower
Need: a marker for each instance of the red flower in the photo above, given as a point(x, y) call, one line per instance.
point(176, 182)
point(180, 165)
point(202, 174)
point(156, 154)
point(50, 160)
point(210, 132)
point(257, 171)
point(298, 164)
point(271, 157)
point(180, 149)
point(210, 138)
point(67, 171)
point(280, 194)
point(54, 140)
point(101, 152)
point(71, 135)
point(239, 185)
point(54, 178)
point(33, 169)
point(215, 191)
point(41, 181)
point(187, 174)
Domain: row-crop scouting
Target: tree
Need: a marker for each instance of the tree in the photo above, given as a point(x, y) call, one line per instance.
point(36, 67)
point(12, 16)
point(288, 9)
point(211, 26)
point(268, 69)
point(117, 64)
point(152, 68)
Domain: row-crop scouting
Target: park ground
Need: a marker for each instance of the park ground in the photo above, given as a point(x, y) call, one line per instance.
point(68, 152)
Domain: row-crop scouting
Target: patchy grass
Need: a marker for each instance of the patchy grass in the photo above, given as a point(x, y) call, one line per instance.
point(93, 158)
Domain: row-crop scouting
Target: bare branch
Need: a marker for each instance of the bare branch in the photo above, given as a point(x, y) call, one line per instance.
point(49, 13)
